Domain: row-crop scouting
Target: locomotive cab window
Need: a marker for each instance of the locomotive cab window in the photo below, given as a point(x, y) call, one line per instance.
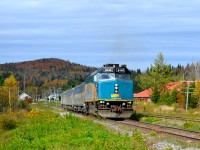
point(95, 78)
point(123, 76)
point(106, 76)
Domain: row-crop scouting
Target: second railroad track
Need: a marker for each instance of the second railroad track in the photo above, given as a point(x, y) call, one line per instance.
point(179, 133)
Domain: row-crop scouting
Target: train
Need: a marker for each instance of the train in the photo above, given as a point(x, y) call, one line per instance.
point(107, 92)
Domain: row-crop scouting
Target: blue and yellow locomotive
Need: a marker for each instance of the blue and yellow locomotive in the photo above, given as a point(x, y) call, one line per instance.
point(107, 92)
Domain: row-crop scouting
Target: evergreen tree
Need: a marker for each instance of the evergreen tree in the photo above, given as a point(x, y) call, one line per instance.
point(195, 97)
point(157, 77)
point(155, 96)
point(1, 80)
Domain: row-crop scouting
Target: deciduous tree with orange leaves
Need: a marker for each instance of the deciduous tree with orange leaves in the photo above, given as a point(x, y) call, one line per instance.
point(10, 92)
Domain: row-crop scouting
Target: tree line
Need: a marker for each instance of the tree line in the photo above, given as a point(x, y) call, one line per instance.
point(160, 74)
point(156, 77)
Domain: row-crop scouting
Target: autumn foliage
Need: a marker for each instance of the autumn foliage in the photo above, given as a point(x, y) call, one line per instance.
point(9, 93)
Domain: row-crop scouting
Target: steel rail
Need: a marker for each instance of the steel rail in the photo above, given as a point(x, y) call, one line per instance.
point(173, 117)
point(180, 133)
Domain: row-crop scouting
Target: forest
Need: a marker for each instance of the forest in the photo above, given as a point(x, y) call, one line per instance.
point(42, 77)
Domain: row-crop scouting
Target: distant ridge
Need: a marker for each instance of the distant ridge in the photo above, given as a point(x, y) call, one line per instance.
point(43, 72)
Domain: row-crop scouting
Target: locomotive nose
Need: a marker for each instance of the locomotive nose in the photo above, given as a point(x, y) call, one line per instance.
point(115, 89)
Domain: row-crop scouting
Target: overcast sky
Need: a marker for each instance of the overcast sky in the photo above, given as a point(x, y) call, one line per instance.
point(95, 32)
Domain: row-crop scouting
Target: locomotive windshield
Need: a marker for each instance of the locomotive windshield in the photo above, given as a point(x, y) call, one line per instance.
point(107, 76)
point(123, 76)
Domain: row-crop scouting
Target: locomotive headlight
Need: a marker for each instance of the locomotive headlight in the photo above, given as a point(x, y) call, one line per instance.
point(123, 104)
point(116, 88)
point(107, 103)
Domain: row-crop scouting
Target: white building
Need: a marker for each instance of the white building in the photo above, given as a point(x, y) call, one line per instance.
point(54, 97)
point(23, 96)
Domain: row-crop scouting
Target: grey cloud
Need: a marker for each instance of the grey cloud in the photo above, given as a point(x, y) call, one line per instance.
point(104, 29)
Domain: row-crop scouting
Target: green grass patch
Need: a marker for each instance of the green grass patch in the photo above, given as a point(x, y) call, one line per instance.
point(50, 103)
point(191, 126)
point(174, 110)
point(47, 130)
point(150, 119)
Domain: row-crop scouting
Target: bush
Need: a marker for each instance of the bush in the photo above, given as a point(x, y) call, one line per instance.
point(138, 136)
point(7, 122)
point(151, 119)
point(155, 96)
point(23, 104)
point(168, 98)
point(28, 100)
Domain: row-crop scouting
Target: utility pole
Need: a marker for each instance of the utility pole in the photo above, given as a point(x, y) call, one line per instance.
point(18, 94)
point(186, 105)
point(187, 93)
point(36, 94)
point(9, 97)
point(54, 93)
point(24, 83)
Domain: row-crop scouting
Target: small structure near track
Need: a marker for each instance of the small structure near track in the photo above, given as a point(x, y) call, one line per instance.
point(23, 96)
point(145, 95)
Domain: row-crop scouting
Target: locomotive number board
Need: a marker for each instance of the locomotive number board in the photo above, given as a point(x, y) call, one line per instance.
point(115, 95)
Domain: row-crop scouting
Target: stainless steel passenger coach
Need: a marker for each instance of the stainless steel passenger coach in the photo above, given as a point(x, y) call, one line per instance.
point(107, 92)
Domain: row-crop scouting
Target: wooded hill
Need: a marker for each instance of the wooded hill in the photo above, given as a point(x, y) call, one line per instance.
point(46, 72)
point(50, 74)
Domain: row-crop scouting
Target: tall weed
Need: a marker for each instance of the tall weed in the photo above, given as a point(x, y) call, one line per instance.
point(10, 119)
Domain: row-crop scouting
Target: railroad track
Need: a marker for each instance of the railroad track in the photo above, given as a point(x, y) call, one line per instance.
point(173, 117)
point(176, 132)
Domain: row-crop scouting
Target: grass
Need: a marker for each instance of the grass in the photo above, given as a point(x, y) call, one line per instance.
point(43, 129)
point(195, 126)
point(154, 109)
point(50, 103)
point(151, 120)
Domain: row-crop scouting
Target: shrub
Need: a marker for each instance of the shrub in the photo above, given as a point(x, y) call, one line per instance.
point(155, 96)
point(188, 125)
point(153, 134)
point(138, 136)
point(7, 122)
point(136, 116)
point(24, 105)
point(151, 119)
point(33, 113)
point(168, 98)
point(28, 100)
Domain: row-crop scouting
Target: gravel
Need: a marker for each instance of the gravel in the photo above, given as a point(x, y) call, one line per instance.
point(166, 145)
